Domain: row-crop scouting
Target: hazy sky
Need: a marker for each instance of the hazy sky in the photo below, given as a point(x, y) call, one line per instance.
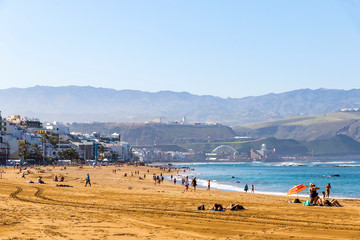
point(222, 48)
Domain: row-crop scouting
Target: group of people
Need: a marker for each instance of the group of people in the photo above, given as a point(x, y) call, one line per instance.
point(193, 183)
point(246, 188)
point(322, 201)
point(158, 179)
point(57, 180)
point(219, 207)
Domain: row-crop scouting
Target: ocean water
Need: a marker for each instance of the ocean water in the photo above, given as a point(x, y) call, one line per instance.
point(277, 178)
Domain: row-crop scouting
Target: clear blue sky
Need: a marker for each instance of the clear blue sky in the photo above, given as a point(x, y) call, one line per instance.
point(222, 48)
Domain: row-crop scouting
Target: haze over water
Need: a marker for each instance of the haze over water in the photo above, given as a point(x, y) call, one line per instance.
point(278, 178)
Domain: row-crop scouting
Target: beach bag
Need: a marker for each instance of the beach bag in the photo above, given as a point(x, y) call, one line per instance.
point(307, 203)
point(202, 207)
point(296, 200)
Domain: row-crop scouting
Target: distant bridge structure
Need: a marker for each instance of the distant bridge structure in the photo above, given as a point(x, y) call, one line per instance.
point(225, 149)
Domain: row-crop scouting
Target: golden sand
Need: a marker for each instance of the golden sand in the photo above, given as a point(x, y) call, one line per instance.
point(118, 207)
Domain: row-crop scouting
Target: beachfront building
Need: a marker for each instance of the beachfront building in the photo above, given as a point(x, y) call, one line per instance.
point(85, 148)
point(262, 154)
point(31, 123)
point(4, 146)
point(116, 151)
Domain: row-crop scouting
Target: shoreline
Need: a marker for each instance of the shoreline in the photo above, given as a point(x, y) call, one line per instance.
point(233, 188)
point(283, 194)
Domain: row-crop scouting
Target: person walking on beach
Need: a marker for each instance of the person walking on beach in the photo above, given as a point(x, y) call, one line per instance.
point(88, 180)
point(194, 184)
point(186, 183)
point(252, 188)
point(154, 178)
point(328, 190)
point(208, 186)
point(246, 188)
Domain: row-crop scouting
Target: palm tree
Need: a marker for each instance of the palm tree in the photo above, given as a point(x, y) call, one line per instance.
point(54, 140)
point(36, 152)
point(73, 154)
point(24, 150)
point(43, 140)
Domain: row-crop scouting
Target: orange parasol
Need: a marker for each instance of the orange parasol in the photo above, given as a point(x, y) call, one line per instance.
point(296, 189)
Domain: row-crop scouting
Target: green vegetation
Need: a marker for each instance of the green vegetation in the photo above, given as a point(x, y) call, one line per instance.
point(307, 120)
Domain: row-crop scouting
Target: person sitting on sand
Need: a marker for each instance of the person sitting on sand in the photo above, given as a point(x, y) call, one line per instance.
point(218, 207)
point(56, 178)
point(313, 194)
point(62, 178)
point(40, 180)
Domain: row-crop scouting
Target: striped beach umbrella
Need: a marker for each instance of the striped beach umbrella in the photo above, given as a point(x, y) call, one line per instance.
point(296, 189)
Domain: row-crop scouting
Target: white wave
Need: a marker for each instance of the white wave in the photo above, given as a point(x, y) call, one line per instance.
point(345, 165)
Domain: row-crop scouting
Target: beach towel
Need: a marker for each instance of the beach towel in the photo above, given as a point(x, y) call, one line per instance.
point(217, 210)
point(307, 203)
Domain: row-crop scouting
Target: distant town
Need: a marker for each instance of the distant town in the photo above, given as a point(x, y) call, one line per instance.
point(26, 140)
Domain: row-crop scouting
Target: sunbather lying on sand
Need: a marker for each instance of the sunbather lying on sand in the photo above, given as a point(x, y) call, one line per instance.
point(236, 207)
point(325, 202)
point(218, 207)
point(63, 185)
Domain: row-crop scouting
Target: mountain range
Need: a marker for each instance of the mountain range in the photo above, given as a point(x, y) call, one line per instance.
point(81, 104)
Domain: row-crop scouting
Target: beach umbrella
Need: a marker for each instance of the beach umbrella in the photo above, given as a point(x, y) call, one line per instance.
point(296, 189)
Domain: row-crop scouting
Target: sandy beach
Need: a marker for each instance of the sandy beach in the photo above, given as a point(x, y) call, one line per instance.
point(119, 207)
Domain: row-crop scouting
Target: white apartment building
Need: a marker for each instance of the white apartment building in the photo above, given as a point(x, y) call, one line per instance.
point(58, 128)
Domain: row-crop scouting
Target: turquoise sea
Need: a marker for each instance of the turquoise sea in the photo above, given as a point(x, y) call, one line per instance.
point(277, 178)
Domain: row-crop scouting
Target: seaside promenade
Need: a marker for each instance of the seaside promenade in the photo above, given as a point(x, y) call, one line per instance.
point(119, 207)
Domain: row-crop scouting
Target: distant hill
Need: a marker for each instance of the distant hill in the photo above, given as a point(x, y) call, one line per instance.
point(339, 145)
point(80, 104)
point(306, 128)
point(282, 146)
point(155, 134)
